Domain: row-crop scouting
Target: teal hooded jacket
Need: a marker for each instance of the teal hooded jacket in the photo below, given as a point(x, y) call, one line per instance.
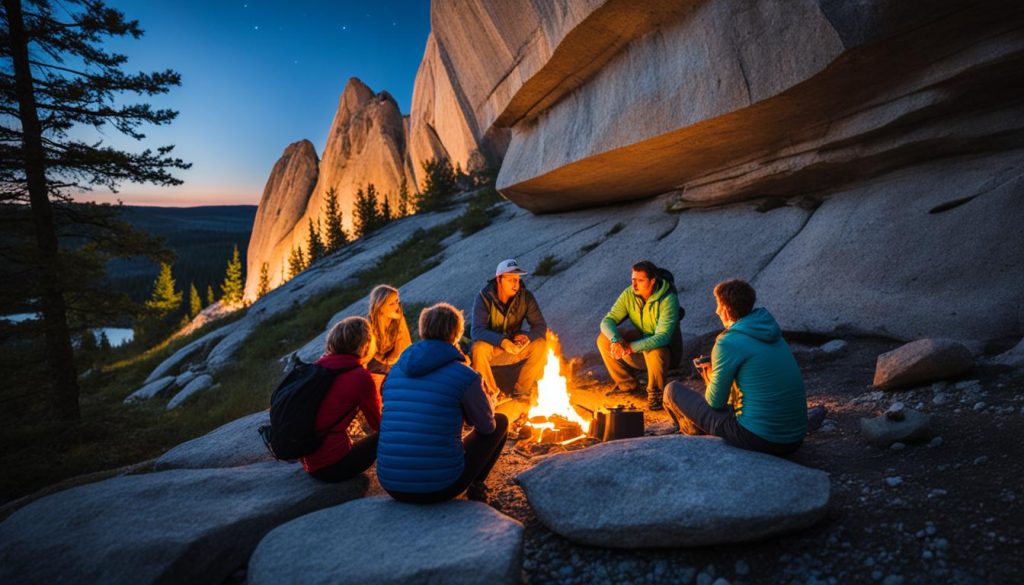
point(753, 363)
point(657, 319)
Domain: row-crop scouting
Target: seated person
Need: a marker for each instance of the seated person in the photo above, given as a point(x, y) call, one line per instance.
point(652, 306)
point(422, 455)
point(497, 330)
point(755, 396)
point(389, 330)
point(349, 345)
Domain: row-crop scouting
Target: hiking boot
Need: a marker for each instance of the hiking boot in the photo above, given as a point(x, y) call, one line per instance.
point(477, 492)
point(815, 417)
point(654, 401)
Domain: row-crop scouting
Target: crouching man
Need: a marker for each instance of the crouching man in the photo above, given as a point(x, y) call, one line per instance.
point(755, 397)
point(652, 306)
point(497, 330)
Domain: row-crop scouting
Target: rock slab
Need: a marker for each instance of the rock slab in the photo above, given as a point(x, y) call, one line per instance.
point(921, 362)
point(182, 526)
point(234, 444)
point(198, 384)
point(672, 491)
point(453, 542)
point(150, 390)
point(883, 430)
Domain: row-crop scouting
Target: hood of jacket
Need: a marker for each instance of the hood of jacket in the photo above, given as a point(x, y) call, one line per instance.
point(423, 357)
point(760, 325)
point(664, 288)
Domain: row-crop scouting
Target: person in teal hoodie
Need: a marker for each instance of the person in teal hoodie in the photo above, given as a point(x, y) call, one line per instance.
point(755, 397)
point(652, 306)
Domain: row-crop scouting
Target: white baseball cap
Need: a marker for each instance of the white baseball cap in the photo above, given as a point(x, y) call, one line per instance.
point(509, 266)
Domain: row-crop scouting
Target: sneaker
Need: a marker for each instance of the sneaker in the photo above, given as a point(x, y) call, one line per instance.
point(815, 417)
point(654, 402)
point(477, 492)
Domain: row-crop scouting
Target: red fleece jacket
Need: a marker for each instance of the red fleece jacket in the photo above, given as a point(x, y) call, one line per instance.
point(352, 388)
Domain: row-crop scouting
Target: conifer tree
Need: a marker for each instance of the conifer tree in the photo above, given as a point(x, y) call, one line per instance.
point(316, 245)
point(367, 216)
point(385, 212)
point(210, 297)
point(335, 236)
point(404, 201)
point(233, 289)
point(296, 262)
point(195, 303)
point(58, 84)
point(164, 299)
point(264, 284)
point(439, 185)
point(104, 343)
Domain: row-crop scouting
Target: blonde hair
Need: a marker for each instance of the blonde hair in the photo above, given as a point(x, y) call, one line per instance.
point(349, 336)
point(385, 335)
point(442, 322)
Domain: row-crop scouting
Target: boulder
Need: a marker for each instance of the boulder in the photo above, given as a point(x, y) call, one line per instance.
point(151, 389)
point(199, 384)
point(181, 526)
point(1013, 357)
point(232, 445)
point(921, 362)
point(378, 540)
point(672, 491)
point(184, 378)
point(884, 430)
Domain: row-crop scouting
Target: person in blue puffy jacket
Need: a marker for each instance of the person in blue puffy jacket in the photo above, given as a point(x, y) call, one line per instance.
point(422, 456)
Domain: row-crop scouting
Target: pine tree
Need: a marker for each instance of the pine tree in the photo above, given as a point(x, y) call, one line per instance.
point(59, 84)
point(104, 343)
point(264, 284)
point(385, 212)
point(366, 212)
point(335, 236)
point(195, 303)
point(438, 185)
point(296, 262)
point(233, 288)
point(316, 245)
point(404, 201)
point(210, 297)
point(164, 299)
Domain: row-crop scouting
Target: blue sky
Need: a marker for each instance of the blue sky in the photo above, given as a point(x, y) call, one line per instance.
point(257, 76)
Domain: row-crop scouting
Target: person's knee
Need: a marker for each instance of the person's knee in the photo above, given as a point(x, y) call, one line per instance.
point(537, 349)
point(500, 423)
point(670, 389)
point(481, 350)
point(603, 343)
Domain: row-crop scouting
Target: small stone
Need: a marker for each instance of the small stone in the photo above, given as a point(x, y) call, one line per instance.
point(876, 575)
point(721, 581)
point(941, 544)
point(968, 386)
point(893, 580)
point(834, 346)
point(894, 481)
point(940, 398)
point(742, 568)
point(898, 446)
point(936, 493)
point(981, 460)
point(936, 442)
point(927, 555)
point(895, 412)
point(704, 579)
point(930, 529)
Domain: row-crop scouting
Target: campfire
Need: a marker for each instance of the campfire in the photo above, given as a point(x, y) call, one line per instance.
point(552, 421)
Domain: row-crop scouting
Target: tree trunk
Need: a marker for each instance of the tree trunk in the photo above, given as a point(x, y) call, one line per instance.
point(60, 356)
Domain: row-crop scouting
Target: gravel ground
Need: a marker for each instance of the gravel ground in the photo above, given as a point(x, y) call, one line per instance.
point(947, 510)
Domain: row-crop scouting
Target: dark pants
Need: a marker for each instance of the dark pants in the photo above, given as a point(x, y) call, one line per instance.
point(656, 361)
point(694, 416)
point(482, 453)
point(356, 461)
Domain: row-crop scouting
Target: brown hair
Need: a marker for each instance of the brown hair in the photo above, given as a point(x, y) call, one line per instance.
point(442, 322)
point(648, 268)
point(736, 296)
point(349, 336)
point(385, 335)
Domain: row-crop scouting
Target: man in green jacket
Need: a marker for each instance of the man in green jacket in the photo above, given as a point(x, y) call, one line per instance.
point(755, 397)
point(652, 306)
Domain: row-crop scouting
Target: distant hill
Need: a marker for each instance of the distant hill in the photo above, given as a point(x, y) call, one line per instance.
point(201, 237)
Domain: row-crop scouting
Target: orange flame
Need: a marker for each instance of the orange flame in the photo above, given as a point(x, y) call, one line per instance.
point(553, 391)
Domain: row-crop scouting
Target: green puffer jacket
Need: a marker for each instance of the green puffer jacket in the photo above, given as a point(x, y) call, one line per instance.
point(657, 319)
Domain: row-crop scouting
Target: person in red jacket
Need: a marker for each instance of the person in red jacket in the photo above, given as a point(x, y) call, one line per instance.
point(349, 345)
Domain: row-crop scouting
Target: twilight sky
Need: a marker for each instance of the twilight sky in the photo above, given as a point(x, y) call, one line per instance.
point(258, 75)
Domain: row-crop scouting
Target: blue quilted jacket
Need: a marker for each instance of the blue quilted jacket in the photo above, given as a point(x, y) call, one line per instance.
point(420, 447)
